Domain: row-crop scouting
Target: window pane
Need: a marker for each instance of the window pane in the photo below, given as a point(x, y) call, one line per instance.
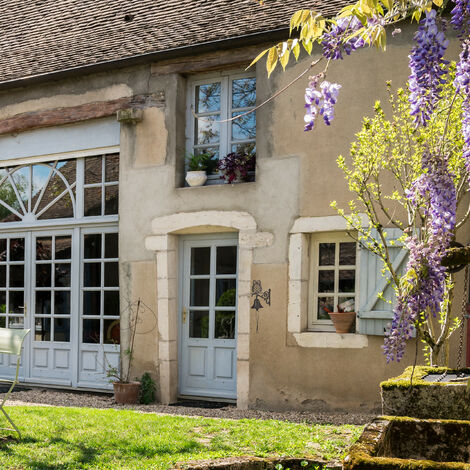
point(111, 245)
point(199, 325)
point(92, 202)
point(93, 170)
point(346, 304)
point(111, 274)
point(16, 322)
point(92, 275)
point(3, 302)
point(347, 280)
point(226, 292)
point(3, 322)
point(92, 245)
point(224, 325)
point(43, 303)
point(17, 249)
point(62, 330)
point(41, 174)
point(112, 168)
point(42, 329)
point(200, 260)
point(8, 195)
point(62, 275)
point(91, 331)
point(325, 305)
point(43, 275)
point(347, 253)
point(206, 130)
point(44, 248)
point(111, 332)
point(327, 254)
point(226, 260)
point(244, 128)
point(62, 303)
point(63, 247)
point(61, 209)
point(208, 97)
point(21, 179)
point(3, 249)
point(199, 296)
point(326, 281)
point(3, 276)
point(111, 201)
point(17, 275)
point(243, 92)
point(91, 302)
point(111, 303)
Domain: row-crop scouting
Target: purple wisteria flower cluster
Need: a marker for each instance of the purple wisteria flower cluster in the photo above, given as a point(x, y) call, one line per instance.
point(426, 61)
point(461, 17)
point(334, 43)
point(320, 102)
point(425, 281)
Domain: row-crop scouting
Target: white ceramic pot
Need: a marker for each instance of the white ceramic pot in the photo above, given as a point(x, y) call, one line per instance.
point(196, 178)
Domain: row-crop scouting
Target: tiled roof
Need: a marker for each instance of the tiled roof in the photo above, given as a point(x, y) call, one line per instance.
point(39, 37)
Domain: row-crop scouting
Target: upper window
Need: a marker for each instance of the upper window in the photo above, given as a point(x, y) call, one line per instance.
point(75, 188)
point(332, 278)
point(217, 99)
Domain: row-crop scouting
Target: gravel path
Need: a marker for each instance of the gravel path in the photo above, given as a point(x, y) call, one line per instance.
point(49, 397)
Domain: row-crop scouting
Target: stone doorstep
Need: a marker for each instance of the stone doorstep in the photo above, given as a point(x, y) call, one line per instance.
point(257, 463)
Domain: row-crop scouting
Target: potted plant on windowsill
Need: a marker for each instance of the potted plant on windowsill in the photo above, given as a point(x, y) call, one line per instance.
point(344, 318)
point(199, 165)
point(236, 167)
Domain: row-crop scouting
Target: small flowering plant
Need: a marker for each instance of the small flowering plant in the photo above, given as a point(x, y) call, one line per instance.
point(235, 167)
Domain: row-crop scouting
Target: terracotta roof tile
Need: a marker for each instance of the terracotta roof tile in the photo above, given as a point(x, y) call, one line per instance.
point(39, 37)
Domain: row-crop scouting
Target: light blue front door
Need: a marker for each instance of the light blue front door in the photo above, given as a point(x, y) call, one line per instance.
point(208, 320)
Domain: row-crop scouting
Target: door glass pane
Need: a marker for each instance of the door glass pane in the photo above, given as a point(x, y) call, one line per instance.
point(3, 302)
point(44, 248)
point(325, 305)
point(347, 253)
point(43, 275)
point(42, 329)
point(62, 275)
point(43, 302)
point(327, 254)
point(226, 260)
point(63, 247)
point(3, 276)
point(199, 324)
point(225, 292)
point(111, 274)
point(91, 302)
point(111, 303)
point(91, 331)
point(326, 281)
point(16, 322)
point(3, 249)
point(200, 260)
point(199, 296)
point(111, 245)
point(17, 249)
point(111, 332)
point(92, 275)
point(16, 275)
point(16, 302)
point(224, 325)
point(92, 245)
point(62, 303)
point(3, 322)
point(62, 329)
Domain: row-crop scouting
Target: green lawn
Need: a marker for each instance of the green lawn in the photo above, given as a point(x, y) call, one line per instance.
point(121, 439)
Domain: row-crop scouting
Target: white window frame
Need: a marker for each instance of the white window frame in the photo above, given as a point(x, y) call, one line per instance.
point(225, 138)
point(315, 323)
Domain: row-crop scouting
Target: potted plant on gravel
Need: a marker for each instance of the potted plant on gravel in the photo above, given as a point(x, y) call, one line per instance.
point(236, 167)
point(199, 166)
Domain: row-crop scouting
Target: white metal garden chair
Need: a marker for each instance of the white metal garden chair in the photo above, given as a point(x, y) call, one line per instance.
point(11, 341)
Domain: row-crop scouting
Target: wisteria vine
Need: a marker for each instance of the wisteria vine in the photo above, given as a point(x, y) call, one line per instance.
point(423, 291)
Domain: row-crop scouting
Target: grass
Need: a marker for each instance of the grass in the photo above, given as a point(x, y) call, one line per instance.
point(78, 438)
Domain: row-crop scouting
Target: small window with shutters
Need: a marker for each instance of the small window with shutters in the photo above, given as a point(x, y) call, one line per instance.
point(333, 278)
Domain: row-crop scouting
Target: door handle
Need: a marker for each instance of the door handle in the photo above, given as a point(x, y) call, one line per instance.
point(184, 313)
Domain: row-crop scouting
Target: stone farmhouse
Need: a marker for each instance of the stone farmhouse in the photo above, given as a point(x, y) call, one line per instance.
point(100, 103)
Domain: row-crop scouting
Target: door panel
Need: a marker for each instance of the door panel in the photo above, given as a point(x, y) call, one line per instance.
point(208, 323)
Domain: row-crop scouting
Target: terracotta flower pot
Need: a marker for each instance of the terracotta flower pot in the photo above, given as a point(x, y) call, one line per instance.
point(126, 393)
point(343, 321)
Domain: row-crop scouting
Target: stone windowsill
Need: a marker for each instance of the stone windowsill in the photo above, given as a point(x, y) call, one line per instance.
point(317, 339)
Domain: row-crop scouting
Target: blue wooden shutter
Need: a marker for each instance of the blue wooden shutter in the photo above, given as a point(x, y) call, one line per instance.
point(374, 314)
